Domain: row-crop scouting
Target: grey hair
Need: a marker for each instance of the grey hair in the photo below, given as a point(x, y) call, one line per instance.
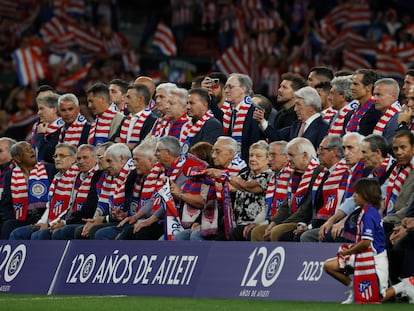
point(147, 149)
point(167, 87)
point(302, 145)
point(389, 82)
point(68, 97)
point(230, 143)
point(9, 140)
point(171, 143)
point(310, 96)
point(50, 100)
point(359, 137)
point(245, 81)
point(182, 94)
point(91, 148)
point(72, 148)
point(262, 145)
point(343, 86)
point(282, 146)
point(335, 142)
point(117, 150)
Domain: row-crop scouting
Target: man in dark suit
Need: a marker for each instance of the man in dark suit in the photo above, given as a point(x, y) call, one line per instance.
point(310, 123)
point(238, 121)
point(203, 126)
point(364, 118)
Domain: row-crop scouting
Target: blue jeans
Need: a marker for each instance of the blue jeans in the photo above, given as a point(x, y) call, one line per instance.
point(21, 233)
point(65, 233)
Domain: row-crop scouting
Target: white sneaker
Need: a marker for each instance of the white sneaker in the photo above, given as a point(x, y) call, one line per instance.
point(350, 299)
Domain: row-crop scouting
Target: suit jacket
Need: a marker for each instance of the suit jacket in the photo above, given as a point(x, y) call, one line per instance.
point(284, 118)
point(88, 209)
point(304, 212)
point(315, 132)
point(210, 131)
point(251, 134)
point(403, 201)
point(367, 122)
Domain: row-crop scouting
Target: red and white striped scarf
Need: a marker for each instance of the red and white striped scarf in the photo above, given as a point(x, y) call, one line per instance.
point(73, 133)
point(337, 126)
point(330, 189)
point(83, 189)
point(296, 197)
point(100, 129)
point(29, 195)
point(385, 118)
point(328, 114)
point(61, 191)
point(237, 130)
point(152, 183)
point(190, 129)
point(276, 191)
point(131, 127)
point(54, 126)
point(395, 182)
point(156, 180)
point(113, 190)
point(160, 127)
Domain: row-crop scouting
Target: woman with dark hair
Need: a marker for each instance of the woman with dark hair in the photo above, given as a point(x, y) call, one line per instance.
point(367, 259)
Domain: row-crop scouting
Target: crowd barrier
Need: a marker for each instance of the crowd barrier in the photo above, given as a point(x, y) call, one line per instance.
point(268, 271)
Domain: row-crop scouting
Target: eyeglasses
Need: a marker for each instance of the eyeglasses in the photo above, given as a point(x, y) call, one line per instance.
point(62, 156)
point(230, 87)
point(274, 154)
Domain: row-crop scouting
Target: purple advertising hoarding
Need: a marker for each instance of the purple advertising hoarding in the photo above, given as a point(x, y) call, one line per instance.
point(274, 271)
point(29, 267)
point(155, 268)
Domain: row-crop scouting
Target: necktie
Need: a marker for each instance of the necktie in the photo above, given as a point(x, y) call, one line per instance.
point(302, 129)
point(233, 118)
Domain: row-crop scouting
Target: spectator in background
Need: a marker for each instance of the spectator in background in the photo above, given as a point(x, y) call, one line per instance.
point(138, 124)
point(203, 126)
point(45, 133)
point(238, 121)
point(291, 83)
point(214, 83)
point(364, 117)
point(117, 93)
point(107, 120)
point(76, 128)
point(385, 95)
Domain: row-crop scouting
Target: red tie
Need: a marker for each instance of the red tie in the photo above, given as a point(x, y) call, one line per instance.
point(302, 129)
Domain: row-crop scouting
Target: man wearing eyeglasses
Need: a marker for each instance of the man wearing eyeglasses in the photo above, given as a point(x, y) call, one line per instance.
point(26, 186)
point(238, 121)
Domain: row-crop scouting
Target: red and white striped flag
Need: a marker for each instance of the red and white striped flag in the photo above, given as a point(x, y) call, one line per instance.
point(389, 66)
point(69, 84)
point(85, 39)
point(164, 39)
point(352, 61)
point(130, 62)
point(232, 61)
point(30, 65)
